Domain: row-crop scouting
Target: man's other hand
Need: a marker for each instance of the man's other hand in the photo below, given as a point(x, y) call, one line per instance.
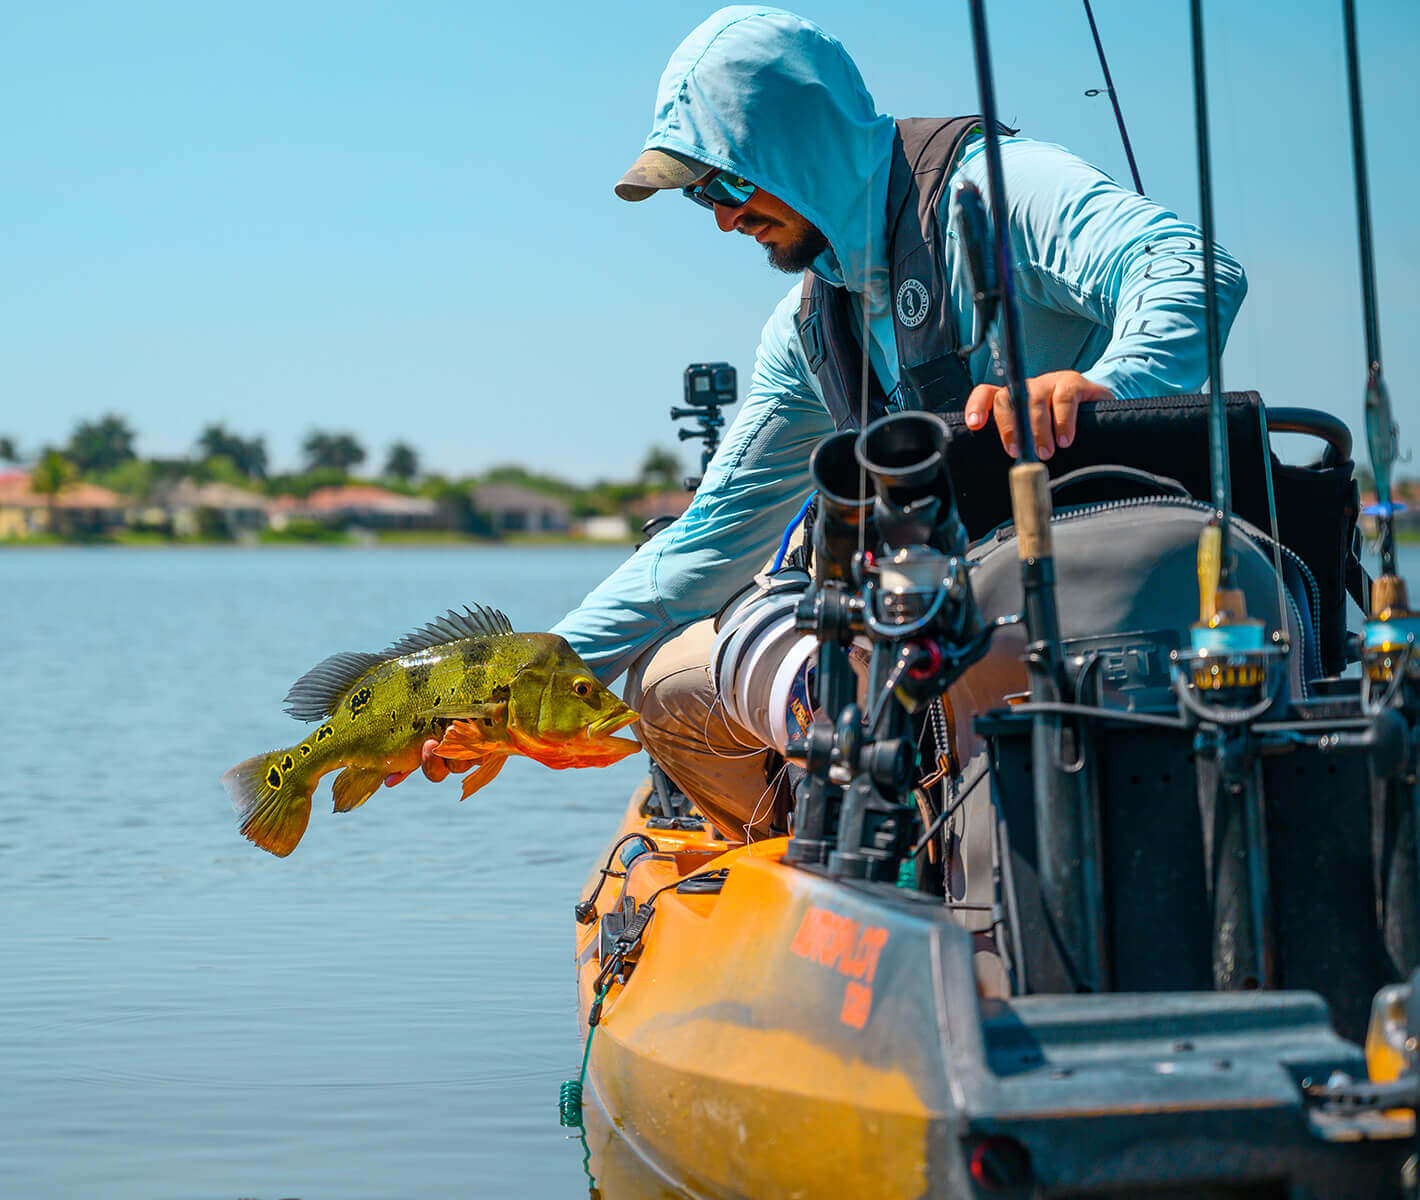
point(1054, 399)
point(433, 765)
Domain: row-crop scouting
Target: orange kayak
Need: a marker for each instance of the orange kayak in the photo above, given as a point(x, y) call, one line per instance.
point(767, 1031)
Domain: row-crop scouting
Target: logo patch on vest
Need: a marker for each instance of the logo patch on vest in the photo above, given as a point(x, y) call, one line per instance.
point(912, 303)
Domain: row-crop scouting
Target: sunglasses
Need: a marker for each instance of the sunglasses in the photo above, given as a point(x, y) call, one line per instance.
point(720, 188)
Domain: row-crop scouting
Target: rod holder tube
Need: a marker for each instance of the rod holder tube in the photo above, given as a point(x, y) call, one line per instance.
point(1066, 804)
point(905, 454)
point(844, 506)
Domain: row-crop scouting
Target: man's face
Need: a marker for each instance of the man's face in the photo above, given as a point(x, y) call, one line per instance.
point(791, 242)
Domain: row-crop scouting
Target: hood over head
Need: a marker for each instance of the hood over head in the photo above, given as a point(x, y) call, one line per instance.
point(768, 95)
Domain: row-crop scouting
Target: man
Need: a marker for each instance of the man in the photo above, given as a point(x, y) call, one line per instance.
point(763, 118)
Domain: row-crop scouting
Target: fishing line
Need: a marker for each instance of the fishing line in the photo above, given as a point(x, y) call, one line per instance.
point(768, 791)
point(751, 748)
point(1277, 541)
point(867, 339)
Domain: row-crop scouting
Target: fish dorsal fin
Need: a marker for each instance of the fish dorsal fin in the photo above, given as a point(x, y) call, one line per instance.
point(316, 694)
point(475, 622)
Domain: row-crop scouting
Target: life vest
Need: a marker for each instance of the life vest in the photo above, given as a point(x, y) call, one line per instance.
point(932, 374)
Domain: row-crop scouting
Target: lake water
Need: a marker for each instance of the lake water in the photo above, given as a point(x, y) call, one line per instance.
point(387, 1013)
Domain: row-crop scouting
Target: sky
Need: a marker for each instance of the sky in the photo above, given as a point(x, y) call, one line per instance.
point(397, 219)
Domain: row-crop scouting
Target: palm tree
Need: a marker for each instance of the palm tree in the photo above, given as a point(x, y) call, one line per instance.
point(339, 451)
point(403, 462)
point(51, 475)
point(248, 455)
point(661, 468)
point(100, 445)
point(8, 453)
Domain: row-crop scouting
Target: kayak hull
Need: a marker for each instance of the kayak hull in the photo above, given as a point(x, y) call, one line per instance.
point(783, 1033)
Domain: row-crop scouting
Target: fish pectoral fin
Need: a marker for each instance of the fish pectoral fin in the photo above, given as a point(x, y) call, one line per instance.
point(465, 739)
point(355, 785)
point(482, 775)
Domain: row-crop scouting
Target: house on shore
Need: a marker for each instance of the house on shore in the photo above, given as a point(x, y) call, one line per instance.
point(191, 509)
point(357, 506)
point(512, 509)
point(79, 510)
point(613, 528)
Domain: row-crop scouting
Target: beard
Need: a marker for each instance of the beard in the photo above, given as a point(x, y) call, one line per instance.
point(798, 255)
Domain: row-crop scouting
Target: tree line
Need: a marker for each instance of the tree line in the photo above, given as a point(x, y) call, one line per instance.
point(104, 451)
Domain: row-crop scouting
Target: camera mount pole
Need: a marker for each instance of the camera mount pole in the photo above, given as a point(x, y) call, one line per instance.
point(1067, 820)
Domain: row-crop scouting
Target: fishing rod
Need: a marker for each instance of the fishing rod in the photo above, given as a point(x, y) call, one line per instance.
point(1230, 677)
point(1388, 591)
point(1113, 98)
point(1390, 671)
point(1218, 559)
point(1066, 812)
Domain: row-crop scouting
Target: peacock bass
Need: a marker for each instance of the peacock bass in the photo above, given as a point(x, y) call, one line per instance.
point(465, 678)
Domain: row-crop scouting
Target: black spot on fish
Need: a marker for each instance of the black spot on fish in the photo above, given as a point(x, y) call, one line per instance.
point(359, 700)
point(436, 701)
point(323, 732)
point(477, 652)
point(273, 777)
point(305, 751)
point(419, 675)
point(287, 763)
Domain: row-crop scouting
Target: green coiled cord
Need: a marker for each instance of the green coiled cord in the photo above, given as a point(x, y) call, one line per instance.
point(569, 1097)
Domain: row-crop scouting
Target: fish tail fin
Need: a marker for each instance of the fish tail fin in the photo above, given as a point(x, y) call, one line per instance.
point(355, 785)
point(272, 792)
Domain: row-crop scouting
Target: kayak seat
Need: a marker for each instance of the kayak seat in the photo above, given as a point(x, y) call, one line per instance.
point(1316, 505)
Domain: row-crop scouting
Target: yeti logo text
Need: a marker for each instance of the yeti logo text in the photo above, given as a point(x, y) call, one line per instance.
point(912, 303)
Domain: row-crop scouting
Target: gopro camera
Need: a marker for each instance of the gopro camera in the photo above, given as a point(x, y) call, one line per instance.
point(710, 385)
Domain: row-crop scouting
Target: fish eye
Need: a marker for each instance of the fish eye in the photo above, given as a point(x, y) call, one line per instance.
point(582, 687)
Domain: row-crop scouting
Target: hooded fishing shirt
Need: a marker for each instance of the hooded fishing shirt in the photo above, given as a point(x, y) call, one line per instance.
point(1108, 283)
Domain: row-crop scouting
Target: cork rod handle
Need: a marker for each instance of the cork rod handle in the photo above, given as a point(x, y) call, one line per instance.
point(1030, 506)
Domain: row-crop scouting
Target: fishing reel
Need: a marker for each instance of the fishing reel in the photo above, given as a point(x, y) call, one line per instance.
point(1390, 655)
point(1230, 674)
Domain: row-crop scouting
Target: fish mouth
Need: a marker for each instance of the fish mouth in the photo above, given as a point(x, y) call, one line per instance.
point(609, 724)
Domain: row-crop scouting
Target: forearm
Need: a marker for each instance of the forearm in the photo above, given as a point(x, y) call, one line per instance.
point(1158, 342)
point(752, 488)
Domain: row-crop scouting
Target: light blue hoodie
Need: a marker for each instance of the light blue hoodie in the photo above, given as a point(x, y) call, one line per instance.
point(1108, 283)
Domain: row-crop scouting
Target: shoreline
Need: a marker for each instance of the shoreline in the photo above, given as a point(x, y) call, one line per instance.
point(341, 543)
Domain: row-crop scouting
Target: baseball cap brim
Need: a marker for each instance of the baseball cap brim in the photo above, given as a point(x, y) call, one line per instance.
point(657, 170)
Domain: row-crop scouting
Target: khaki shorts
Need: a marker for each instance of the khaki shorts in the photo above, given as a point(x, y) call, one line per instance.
point(726, 772)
